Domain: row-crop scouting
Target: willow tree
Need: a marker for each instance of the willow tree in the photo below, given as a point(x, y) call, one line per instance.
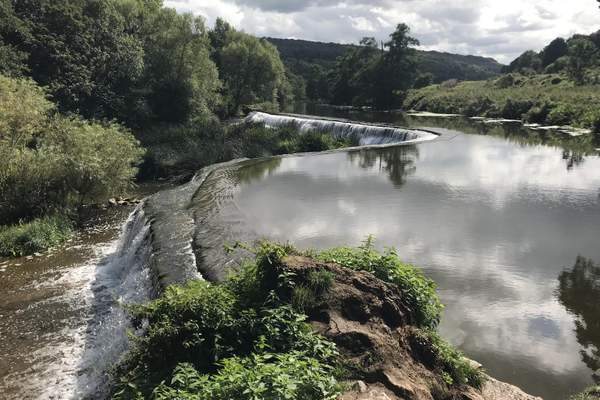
point(251, 70)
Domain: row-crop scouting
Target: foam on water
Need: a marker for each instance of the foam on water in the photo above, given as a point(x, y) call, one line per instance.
point(76, 358)
point(367, 134)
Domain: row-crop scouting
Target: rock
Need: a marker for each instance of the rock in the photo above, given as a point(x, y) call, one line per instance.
point(37, 254)
point(29, 258)
point(596, 375)
point(112, 201)
point(373, 327)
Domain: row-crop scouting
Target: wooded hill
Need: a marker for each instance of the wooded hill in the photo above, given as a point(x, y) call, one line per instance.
point(302, 55)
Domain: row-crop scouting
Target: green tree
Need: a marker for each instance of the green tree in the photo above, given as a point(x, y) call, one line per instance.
point(180, 80)
point(556, 49)
point(528, 62)
point(582, 54)
point(368, 75)
point(79, 50)
point(251, 70)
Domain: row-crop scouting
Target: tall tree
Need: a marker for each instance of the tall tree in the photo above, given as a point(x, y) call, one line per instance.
point(582, 54)
point(556, 49)
point(80, 51)
point(251, 70)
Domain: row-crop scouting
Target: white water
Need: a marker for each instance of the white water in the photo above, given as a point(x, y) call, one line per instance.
point(85, 343)
point(366, 134)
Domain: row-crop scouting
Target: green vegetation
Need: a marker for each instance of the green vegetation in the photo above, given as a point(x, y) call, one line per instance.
point(543, 99)
point(419, 290)
point(451, 363)
point(52, 163)
point(370, 76)
point(38, 235)
point(247, 338)
point(254, 140)
point(314, 63)
point(233, 340)
point(592, 393)
point(557, 86)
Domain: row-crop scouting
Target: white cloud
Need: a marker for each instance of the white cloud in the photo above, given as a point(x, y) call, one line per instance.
point(501, 30)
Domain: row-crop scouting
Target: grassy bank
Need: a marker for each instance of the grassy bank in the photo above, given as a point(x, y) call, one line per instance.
point(543, 99)
point(248, 338)
point(182, 150)
point(35, 236)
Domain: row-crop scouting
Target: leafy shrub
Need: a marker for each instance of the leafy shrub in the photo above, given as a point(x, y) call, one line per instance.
point(515, 109)
point(452, 364)
point(180, 149)
point(505, 81)
point(256, 140)
point(562, 114)
point(538, 113)
point(218, 338)
point(419, 290)
point(265, 376)
point(50, 162)
point(38, 235)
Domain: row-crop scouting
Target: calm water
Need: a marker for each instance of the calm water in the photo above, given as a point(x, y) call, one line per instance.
point(492, 221)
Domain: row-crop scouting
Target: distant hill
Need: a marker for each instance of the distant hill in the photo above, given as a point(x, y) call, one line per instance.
point(442, 66)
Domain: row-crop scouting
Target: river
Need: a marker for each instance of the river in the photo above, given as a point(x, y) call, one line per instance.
point(496, 214)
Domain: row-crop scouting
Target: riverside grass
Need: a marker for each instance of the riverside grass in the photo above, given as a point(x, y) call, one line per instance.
point(241, 340)
point(545, 99)
point(35, 236)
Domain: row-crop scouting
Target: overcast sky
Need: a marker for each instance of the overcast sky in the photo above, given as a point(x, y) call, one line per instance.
point(496, 28)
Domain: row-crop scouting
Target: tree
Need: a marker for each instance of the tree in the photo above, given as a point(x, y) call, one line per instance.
point(79, 50)
point(556, 49)
point(582, 54)
point(251, 70)
point(528, 62)
point(180, 80)
point(368, 75)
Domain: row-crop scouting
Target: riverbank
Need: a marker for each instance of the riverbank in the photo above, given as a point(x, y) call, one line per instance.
point(369, 331)
point(551, 100)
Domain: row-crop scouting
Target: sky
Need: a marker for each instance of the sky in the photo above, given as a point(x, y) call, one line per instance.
point(501, 29)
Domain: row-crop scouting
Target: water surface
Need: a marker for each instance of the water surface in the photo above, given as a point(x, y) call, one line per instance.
point(493, 221)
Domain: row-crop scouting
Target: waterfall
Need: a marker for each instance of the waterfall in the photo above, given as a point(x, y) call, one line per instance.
point(366, 134)
point(121, 277)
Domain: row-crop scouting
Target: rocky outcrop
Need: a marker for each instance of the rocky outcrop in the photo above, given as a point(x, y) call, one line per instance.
point(373, 328)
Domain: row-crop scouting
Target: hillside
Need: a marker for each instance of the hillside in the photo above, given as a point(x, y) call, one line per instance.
point(443, 66)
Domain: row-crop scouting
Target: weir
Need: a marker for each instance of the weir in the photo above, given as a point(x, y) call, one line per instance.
point(365, 134)
point(186, 241)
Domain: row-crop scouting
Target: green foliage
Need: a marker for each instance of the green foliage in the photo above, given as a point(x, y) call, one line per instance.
point(543, 99)
point(261, 78)
point(583, 53)
point(226, 341)
point(265, 376)
point(256, 140)
point(182, 149)
point(314, 61)
point(370, 76)
point(419, 290)
point(591, 393)
point(28, 238)
point(51, 162)
point(451, 363)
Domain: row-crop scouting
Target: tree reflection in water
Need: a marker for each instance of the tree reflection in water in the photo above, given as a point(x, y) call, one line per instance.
point(257, 170)
point(579, 292)
point(398, 162)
